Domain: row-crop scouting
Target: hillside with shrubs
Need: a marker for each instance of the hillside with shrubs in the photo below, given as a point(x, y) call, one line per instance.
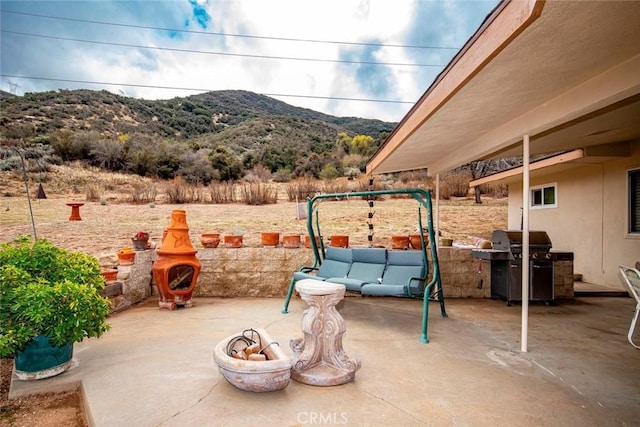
point(199, 148)
point(214, 136)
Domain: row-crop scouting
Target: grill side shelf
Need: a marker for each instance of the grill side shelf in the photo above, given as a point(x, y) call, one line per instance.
point(490, 254)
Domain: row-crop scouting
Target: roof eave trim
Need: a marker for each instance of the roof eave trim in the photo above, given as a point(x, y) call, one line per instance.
point(500, 27)
point(567, 157)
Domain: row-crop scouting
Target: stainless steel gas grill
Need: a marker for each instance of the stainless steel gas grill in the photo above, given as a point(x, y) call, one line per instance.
point(511, 241)
point(506, 265)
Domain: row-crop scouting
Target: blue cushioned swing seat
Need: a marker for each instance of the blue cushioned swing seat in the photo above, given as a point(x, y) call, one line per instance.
point(376, 271)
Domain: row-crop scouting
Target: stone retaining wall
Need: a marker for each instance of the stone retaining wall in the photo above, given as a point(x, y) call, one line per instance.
point(459, 273)
point(135, 281)
point(266, 272)
point(563, 279)
point(254, 272)
point(466, 277)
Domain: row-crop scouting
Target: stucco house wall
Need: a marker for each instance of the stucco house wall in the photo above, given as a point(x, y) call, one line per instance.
point(591, 217)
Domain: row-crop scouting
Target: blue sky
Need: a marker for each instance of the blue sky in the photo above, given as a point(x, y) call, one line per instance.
point(159, 44)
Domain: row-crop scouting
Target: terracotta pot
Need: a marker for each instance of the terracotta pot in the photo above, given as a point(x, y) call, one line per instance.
point(291, 241)
point(140, 244)
point(307, 241)
point(399, 242)
point(270, 239)
point(446, 242)
point(109, 275)
point(233, 241)
point(414, 241)
point(340, 241)
point(483, 244)
point(210, 240)
point(126, 256)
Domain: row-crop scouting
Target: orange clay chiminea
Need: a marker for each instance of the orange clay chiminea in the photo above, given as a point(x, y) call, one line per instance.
point(176, 267)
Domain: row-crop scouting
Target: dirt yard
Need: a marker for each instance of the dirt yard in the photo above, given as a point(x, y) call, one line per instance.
point(108, 226)
point(48, 410)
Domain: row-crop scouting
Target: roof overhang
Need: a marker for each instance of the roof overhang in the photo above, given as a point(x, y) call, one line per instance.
point(596, 154)
point(565, 73)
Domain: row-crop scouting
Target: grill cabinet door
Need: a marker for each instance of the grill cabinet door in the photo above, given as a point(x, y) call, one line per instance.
point(515, 280)
point(541, 280)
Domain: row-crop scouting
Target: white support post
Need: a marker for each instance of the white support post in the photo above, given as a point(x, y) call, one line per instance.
point(437, 225)
point(525, 244)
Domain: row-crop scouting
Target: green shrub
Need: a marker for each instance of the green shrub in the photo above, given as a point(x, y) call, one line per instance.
point(329, 172)
point(46, 290)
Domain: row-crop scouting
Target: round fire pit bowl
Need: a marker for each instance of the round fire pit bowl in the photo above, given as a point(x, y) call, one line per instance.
point(252, 375)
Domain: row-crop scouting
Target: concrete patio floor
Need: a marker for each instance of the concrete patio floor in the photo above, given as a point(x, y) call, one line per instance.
point(155, 368)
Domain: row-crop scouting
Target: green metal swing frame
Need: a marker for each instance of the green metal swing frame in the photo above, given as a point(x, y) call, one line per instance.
point(432, 290)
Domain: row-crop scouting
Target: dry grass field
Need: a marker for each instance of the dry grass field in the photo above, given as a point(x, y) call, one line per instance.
point(108, 225)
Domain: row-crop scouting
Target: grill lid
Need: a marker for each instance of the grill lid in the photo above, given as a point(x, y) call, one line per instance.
point(511, 240)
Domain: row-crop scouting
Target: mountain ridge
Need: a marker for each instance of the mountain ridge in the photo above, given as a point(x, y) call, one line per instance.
point(179, 117)
point(203, 137)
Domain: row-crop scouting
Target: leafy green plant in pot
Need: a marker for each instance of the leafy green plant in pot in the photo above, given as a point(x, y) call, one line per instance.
point(49, 299)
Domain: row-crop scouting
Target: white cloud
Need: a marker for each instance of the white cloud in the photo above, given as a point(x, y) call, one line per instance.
point(402, 22)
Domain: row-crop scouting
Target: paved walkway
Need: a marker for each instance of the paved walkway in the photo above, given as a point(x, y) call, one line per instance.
point(155, 368)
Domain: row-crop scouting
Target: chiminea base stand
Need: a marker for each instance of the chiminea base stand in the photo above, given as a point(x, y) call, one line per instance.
point(172, 305)
point(319, 358)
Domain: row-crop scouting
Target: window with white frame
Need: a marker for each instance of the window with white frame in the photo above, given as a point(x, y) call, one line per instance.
point(634, 201)
point(544, 196)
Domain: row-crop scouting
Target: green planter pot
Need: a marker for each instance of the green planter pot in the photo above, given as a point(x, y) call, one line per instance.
point(41, 360)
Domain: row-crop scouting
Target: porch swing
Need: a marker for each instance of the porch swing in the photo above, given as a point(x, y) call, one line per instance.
point(376, 271)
